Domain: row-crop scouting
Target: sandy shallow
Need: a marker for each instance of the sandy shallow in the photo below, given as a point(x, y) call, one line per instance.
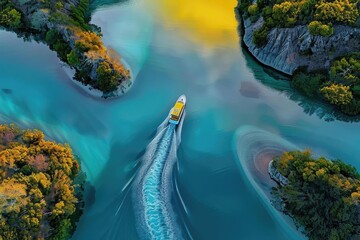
point(255, 148)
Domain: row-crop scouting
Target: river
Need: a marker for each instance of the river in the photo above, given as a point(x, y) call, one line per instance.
point(172, 48)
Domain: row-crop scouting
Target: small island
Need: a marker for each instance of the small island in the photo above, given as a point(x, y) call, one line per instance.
point(40, 186)
point(64, 26)
point(322, 196)
point(316, 42)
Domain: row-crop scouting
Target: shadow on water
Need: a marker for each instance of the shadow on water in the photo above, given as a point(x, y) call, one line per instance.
point(95, 4)
point(281, 82)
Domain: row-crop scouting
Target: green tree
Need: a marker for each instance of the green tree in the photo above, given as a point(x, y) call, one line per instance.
point(108, 79)
point(260, 37)
point(337, 94)
point(10, 17)
point(73, 58)
point(346, 71)
point(317, 28)
point(253, 9)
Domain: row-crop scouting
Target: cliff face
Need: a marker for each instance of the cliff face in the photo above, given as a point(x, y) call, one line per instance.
point(288, 49)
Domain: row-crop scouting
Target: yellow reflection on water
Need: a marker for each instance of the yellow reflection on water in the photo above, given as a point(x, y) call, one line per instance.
point(210, 22)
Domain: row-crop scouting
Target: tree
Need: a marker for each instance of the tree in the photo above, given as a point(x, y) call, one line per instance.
point(73, 58)
point(317, 28)
point(37, 189)
point(337, 94)
point(285, 14)
point(253, 9)
point(108, 79)
point(346, 71)
point(13, 196)
point(341, 11)
point(260, 36)
point(10, 17)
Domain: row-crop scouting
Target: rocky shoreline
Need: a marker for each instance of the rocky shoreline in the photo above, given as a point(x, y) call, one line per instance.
point(291, 49)
point(64, 26)
point(124, 87)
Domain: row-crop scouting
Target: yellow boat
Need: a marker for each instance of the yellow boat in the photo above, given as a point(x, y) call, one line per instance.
point(178, 110)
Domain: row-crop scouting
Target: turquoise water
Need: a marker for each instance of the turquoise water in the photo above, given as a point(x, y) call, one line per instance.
point(225, 89)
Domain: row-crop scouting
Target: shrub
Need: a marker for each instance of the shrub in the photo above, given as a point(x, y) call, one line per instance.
point(107, 78)
point(10, 17)
point(73, 58)
point(352, 109)
point(356, 90)
point(317, 28)
point(260, 36)
point(308, 84)
point(253, 9)
point(285, 14)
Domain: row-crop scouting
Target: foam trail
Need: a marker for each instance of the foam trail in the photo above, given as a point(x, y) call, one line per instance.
point(153, 187)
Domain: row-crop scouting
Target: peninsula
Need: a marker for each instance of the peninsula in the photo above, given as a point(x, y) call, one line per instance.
point(64, 26)
point(322, 196)
point(316, 42)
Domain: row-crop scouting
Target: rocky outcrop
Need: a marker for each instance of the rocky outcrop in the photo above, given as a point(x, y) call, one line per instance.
point(276, 175)
point(71, 32)
point(288, 49)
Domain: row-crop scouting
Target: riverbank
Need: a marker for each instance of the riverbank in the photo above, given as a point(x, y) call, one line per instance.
point(255, 149)
point(319, 67)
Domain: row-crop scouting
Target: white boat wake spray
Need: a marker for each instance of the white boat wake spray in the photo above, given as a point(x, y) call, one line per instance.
point(153, 186)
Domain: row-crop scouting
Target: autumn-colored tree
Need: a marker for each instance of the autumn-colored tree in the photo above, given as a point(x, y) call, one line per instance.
point(342, 11)
point(37, 192)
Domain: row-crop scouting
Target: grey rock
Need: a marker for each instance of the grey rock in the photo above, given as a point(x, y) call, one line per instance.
point(288, 49)
point(276, 175)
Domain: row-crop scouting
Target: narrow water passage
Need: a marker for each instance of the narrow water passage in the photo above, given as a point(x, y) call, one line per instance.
point(172, 49)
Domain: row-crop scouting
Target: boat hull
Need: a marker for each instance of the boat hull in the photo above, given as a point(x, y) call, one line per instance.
point(181, 99)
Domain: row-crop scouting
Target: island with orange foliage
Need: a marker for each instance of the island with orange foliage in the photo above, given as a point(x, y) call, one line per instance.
point(40, 186)
point(64, 26)
point(321, 195)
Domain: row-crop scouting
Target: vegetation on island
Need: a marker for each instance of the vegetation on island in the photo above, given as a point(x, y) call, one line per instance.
point(339, 87)
point(39, 196)
point(322, 196)
point(64, 26)
point(319, 15)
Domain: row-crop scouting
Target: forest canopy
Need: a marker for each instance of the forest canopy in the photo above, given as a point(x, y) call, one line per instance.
point(39, 198)
point(322, 196)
